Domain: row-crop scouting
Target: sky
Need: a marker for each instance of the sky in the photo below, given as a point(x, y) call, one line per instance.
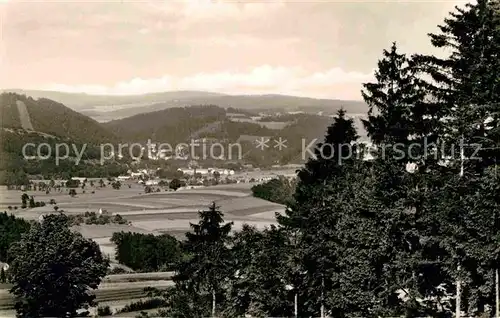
point(314, 48)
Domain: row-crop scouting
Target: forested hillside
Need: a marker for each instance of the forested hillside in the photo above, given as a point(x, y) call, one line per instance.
point(170, 125)
point(50, 117)
point(52, 123)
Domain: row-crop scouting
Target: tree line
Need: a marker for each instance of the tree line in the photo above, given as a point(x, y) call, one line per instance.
point(147, 252)
point(278, 190)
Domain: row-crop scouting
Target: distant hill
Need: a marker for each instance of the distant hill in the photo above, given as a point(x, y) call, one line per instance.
point(106, 108)
point(244, 102)
point(214, 124)
point(169, 125)
point(50, 117)
point(80, 101)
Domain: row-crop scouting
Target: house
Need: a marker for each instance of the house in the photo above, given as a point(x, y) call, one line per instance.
point(152, 182)
point(123, 178)
point(203, 171)
point(81, 179)
point(103, 211)
point(235, 115)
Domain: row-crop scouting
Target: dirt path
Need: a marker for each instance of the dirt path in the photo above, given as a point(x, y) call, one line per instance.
point(24, 116)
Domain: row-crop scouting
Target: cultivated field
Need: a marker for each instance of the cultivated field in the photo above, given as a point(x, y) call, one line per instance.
point(160, 212)
point(167, 209)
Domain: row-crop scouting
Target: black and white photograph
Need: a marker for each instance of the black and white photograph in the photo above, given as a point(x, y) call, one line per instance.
point(250, 158)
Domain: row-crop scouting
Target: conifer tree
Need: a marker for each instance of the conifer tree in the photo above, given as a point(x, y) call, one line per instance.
point(399, 261)
point(261, 274)
point(333, 157)
point(314, 212)
point(201, 276)
point(464, 87)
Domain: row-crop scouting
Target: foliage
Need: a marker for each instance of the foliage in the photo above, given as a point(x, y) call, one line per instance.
point(73, 183)
point(94, 218)
point(175, 184)
point(11, 230)
point(147, 252)
point(15, 169)
point(104, 311)
point(320, 202)
point(172, 125)
point(201, 275)
point(53, 268)
point(279, 190)
point(150, 303)
point(261, 272)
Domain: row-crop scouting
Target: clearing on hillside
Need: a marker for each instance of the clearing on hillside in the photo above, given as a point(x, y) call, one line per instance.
point(24, 116)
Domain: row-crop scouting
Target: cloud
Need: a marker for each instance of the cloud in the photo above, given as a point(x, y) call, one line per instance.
point(265, 79)
point(317, 48)
point(206, 10)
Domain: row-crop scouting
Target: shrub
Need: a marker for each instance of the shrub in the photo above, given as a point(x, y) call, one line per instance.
point(104, 311)
point(143, 305)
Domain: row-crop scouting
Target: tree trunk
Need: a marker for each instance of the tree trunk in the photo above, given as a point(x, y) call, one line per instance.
point(296, 309)
point(497, 303)
point(459, 284)
point(322, 298)
point(459, 294)
point(213, 303)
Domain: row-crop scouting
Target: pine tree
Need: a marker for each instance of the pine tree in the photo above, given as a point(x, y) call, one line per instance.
point(391, 99)
point(465, 83)
point(261, 268)
point(335, 155)
point(396, 257)
point(465, 88)
point(315, 211)
point(202, 275)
